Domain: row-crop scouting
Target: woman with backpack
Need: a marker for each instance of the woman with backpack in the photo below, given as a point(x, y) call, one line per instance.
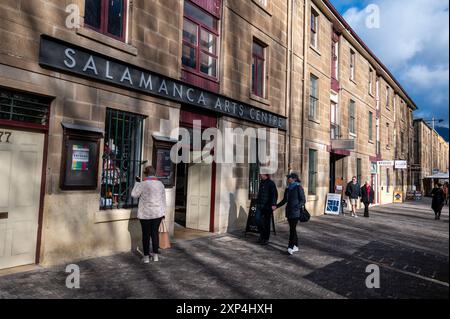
point(295, 200)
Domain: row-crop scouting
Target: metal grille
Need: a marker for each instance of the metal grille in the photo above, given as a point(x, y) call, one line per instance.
point(122, 156)
point(23, 107)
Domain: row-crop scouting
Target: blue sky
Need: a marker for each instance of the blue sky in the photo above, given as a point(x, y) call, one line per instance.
point(413, 42)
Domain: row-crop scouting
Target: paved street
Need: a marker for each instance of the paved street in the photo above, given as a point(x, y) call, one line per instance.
point(405, 241)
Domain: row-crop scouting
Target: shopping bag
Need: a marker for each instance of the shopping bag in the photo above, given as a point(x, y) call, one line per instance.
point(164, 239)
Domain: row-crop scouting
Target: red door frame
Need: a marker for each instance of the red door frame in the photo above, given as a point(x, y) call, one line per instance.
point(44, 130)
point(186, 118)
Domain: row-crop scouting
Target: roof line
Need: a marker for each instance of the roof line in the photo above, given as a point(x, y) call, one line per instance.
point(360, 41)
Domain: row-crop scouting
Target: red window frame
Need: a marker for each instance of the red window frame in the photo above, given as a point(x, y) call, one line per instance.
point(255, 59)
point(198, 48)
point(104, 20)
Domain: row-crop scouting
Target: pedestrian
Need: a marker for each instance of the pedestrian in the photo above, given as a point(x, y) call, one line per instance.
point(267, 198)
point(353, 191)
point(295, 200)
point(445, 189)
point(151, 211)
point(438, 200)
point(367, 197)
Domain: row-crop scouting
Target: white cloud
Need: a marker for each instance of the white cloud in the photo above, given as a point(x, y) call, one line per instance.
point(407, 28)
point(413, 42)
point(425, 77)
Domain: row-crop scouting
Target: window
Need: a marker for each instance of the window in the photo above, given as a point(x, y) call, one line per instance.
point(352, 64)
point(200, 40)
point(121, 158)
point(107, 17)
point(314, 28)
point(334, 123)
point(388, 96)
point(258, 68)
point(402, 141)
point(23, 107)
point(352, 118)
point(334, 59)
point(370, 81)
point(312, 172)
point(313, 97)
point(358, 170)
point(388, 180)
point(388, 132)
point(370, 126)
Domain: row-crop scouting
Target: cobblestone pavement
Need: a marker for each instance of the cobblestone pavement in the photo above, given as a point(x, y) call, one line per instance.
point(405, 241)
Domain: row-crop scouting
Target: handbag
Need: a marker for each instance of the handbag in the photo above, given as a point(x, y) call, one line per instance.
point(164, 240)
point(304, 215)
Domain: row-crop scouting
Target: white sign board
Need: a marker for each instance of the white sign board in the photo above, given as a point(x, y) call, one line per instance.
point(385, 163)
point(333, 204)
point(401, 164)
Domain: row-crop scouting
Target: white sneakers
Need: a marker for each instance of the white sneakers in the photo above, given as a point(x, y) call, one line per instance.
point(146, 259)
point(291, 251)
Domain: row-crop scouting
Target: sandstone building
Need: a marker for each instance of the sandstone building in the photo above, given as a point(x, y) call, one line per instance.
point(83, 107)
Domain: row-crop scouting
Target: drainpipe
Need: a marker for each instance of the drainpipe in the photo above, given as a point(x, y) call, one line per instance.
point(288, 96)
point(305, 63)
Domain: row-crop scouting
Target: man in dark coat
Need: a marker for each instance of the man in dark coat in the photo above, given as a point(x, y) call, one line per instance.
point(438, 200)
point(267, 198)
point(367, 197)
point(353, 191)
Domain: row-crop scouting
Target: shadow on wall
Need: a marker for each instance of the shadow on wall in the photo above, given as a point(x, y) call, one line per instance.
point(236, 219)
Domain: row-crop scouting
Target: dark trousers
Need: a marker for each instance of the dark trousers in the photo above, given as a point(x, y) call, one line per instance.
point(366, 209)
point(293, 238)
point(150, 229)
point(264, 225)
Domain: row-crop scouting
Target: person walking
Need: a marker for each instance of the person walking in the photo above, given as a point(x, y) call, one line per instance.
point(295, 200)
point(438, 200)
point(353, 191)
point(367, 197)
point(267, 198)
point(151, 210)
point(445, 189)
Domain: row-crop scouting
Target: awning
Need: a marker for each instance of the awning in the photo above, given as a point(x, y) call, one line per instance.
point(438, 176)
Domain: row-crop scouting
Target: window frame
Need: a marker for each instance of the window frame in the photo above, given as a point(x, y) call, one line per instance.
point(258, 58)
point(104, 20)
point(352, 65)
point(388, 97)
point(388, 128)
point(370, 126)
point(312, 173)
point(198, 47)
point(314, 28)
point(352, 117)
point(371, 81)
point(112, 166)
point(313, 99)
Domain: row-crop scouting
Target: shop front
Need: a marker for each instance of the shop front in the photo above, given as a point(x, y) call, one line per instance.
point(76, 134)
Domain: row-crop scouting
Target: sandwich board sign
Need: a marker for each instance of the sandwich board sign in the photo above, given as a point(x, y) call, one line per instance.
point(333, 204)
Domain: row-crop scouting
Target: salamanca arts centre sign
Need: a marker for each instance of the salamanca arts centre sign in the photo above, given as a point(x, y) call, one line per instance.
point(63, 56)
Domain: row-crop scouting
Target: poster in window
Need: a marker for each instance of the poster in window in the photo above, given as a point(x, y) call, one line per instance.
point(80, 157)
point(164, 167)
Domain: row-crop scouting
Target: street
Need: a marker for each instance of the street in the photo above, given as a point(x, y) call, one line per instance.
point(410, 248)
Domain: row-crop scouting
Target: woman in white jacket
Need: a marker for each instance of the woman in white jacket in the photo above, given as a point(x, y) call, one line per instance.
point(151, 211)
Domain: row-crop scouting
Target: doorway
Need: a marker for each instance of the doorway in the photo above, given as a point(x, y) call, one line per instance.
point(21, 158)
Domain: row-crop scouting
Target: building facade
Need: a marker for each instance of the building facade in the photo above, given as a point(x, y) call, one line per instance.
point(92, 91)
point(430, 156)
